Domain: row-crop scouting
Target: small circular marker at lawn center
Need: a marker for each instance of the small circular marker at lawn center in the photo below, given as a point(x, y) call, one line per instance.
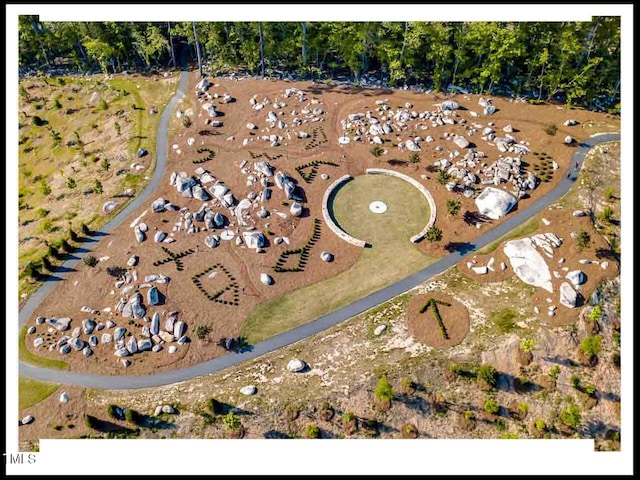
point(378, 207)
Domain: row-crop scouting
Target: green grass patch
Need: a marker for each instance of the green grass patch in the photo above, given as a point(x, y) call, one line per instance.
point(31, 358)
point(391, 258)
point(525, 229)
point(31, 392)
point(504, 319)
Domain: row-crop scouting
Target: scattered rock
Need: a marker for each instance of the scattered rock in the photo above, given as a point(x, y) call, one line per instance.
point(31, 330)
point(248, 390)
point(379, 329)
point(579, 213)
point(296, 365)
point(133, 260)
point(157, 411)
point(568, 296)
point(326, 256)
point(64, 397)
point(173, 349)
point(27, 420)
point(266, 279)
point(168, 409)
point(576, 277)
point(480, 270)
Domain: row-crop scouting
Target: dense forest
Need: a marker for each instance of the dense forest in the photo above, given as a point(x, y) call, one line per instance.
point(577, 62)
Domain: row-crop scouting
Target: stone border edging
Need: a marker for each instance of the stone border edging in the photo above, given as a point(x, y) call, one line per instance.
point(327, 216)
point(426, 193)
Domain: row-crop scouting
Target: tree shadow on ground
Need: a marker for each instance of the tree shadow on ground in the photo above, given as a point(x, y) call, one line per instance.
point(471, 218)
point(413, 402)
point(567, 362)
point(276, 434)
point(459, 247)
point(61, 269)
point(49, 278)
point(241, 345)
point(507, 382)
point(157, 423)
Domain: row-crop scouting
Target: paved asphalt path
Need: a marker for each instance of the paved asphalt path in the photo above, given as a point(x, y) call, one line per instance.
point(303, 331)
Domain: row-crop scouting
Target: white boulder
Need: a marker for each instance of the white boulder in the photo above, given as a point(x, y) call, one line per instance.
point(528, 264)
point(568, 296)
point(248, 390)
point(495, 203)
point(296, 365)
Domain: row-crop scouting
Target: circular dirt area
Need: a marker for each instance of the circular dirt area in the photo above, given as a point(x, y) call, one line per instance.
point(424, 326)
point(378, 207)
point(352, 208)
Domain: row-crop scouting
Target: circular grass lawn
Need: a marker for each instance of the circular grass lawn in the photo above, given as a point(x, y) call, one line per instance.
point(406, 215)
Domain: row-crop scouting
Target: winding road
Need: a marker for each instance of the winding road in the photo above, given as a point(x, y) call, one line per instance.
point(299, 333)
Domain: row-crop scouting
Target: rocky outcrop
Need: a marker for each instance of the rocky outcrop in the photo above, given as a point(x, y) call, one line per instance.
point(528, 264)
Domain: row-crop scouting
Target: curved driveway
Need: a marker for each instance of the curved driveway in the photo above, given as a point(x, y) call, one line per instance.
point(303, 331)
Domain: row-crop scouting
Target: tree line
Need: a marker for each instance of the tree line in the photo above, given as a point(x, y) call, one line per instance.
point(576, 61)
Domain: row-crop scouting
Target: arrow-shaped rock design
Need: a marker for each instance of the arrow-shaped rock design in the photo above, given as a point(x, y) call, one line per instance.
point(433, 304)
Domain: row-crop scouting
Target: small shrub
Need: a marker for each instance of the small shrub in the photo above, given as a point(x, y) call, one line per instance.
point(116, 272)
point(112, 411)
point(575, 381)
point(414, 157)
point(540, 425)
point(56, 104)
point(313, 431)
point(442, 177)
point(202, 331)
point(606, 215)
point(103, 104)
point(590, 346)
point(349, 416)
point(491, 406)
point(434, 234)
point(186, 121)
point(468, 414)
point(526, 344)
point(45, 189)
point(595, 313)
point(523, 408)
point(71, 183)
point(118, 129)
point(90, 261)
point(104, 165)
point(66, 247)
point(91, 422)
point(231, 422)
point(571, 416)
point(488, 374)
point(454, 368)
point(453, 206)
point(501, 424)
point(551, 129)
point(31, 270)
point(214, 406)
point(85, 230)
point(46, 225)
point(132, 416)
point(384, 391)
point(41, 213)
point(583, 239)
point(554, 372)
point(37, 121)
point(590, 390)
point(609, 193)
point(376, 150)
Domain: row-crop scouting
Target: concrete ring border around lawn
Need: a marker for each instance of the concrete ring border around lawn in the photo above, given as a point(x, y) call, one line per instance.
point(327, 216)
point(376, 171)
point(426, 193)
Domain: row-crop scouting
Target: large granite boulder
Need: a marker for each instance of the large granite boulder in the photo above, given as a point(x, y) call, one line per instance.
point(60, 324)
point(495, 203)
point(64, 397)
point(88, 325)
point(568, 296)
point(76, 344)
point(576, 277)
point(179, 329)
point(155, 324)
point(248, 390)
point(266, 278)
point(132, 345)
point(145, 344)
point(153, 296)
point(169, 323)
point(528, 264)
point(118, 333)
point(27, 420)
point(296, 365)
point(460, 141)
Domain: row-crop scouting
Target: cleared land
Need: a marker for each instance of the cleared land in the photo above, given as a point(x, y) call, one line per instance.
point(297, 296)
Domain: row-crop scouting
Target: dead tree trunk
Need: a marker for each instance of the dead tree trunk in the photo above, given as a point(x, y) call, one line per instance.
point(195, 35)
point(261, 49)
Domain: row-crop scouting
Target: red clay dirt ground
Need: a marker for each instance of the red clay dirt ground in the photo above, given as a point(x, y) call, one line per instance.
point(93, 286)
